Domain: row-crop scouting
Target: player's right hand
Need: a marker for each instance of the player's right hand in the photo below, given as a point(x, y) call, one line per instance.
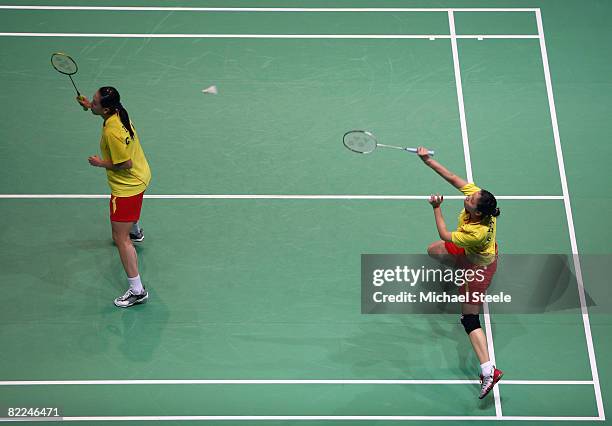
point(83, 101)
point(423, 153)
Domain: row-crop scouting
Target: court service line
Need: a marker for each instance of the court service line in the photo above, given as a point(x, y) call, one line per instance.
point(280, 382)
point(272, 36)
point(274, 197)
point(260, 9)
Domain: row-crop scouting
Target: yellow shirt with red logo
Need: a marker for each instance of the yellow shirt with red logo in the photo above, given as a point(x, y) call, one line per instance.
point(117, 146)
point(478, 239)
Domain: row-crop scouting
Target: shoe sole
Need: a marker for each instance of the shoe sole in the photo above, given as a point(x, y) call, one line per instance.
point(138, 302)
point(494, 383)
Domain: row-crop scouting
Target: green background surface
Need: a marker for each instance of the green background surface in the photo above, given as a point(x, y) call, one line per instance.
point(270, 289)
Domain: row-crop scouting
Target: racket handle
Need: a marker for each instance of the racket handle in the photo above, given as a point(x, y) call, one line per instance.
point(81, 97)
point(414, 150)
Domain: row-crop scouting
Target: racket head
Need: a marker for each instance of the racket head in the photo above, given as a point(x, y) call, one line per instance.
point(64, 63)
point(360, 141)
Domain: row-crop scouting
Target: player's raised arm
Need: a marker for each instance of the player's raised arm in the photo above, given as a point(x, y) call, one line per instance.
point(457, 181)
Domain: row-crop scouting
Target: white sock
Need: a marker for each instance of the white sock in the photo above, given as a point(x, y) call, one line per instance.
point(487, 368)
point(136, 284)
point(135, 228)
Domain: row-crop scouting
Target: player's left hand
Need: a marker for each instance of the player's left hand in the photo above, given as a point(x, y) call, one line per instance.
point(436, 200)
point(95, 161)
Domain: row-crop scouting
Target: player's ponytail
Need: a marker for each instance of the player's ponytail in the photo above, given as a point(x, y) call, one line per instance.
point(109, 98)
point(487, 204)
point(125, 119)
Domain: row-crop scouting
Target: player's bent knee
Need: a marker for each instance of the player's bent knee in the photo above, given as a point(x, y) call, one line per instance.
point(436, 248)
point(470, 322)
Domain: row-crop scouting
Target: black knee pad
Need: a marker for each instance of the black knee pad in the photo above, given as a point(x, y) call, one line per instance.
point(470, 322)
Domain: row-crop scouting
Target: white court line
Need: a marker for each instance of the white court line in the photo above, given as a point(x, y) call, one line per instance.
point(261, 9)
point(280, 382)
point(307, 418)
point(464, 134)
point(491, 348)
point(272, 197)
point(470, 178)
point(272, 36)
point(494, 36)
point(570, 220)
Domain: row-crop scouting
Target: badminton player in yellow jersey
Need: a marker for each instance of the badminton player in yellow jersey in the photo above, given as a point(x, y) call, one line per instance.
point(128, 176)
point(472, 246)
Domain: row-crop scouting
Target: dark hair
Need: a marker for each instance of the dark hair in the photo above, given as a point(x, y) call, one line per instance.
point(487, 204)
point(109, 98)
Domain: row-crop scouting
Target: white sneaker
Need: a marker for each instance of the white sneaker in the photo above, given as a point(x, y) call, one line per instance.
point(487, 382)
point(129, 298)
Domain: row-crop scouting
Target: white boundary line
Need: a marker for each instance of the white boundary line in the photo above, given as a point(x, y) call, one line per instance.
point(470, 178)
point(272, 197)
point(273, 36)
point(570, 220)
point(489, 329)
point(277, 418)
point(281, 382)
point(261, 9)
point(464, 134)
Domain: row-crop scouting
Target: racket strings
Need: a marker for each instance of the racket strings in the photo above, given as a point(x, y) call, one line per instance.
point(64, 64)
point(360, 142)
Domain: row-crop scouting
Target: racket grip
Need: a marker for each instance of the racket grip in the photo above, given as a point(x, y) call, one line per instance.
point(413, 150)
point(81, 97)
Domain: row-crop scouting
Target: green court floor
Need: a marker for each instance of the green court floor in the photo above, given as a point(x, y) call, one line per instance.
point(252, 282)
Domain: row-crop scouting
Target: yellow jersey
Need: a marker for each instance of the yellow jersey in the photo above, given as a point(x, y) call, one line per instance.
point(478, 239)
point(117, 146)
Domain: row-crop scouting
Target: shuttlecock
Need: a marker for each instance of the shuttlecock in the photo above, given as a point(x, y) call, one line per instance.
point(212, 90)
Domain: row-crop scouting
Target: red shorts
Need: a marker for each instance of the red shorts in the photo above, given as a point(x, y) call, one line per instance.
point(126, 209)
point(482, 274)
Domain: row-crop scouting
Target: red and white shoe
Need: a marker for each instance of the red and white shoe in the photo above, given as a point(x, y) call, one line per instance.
point(487, 383)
